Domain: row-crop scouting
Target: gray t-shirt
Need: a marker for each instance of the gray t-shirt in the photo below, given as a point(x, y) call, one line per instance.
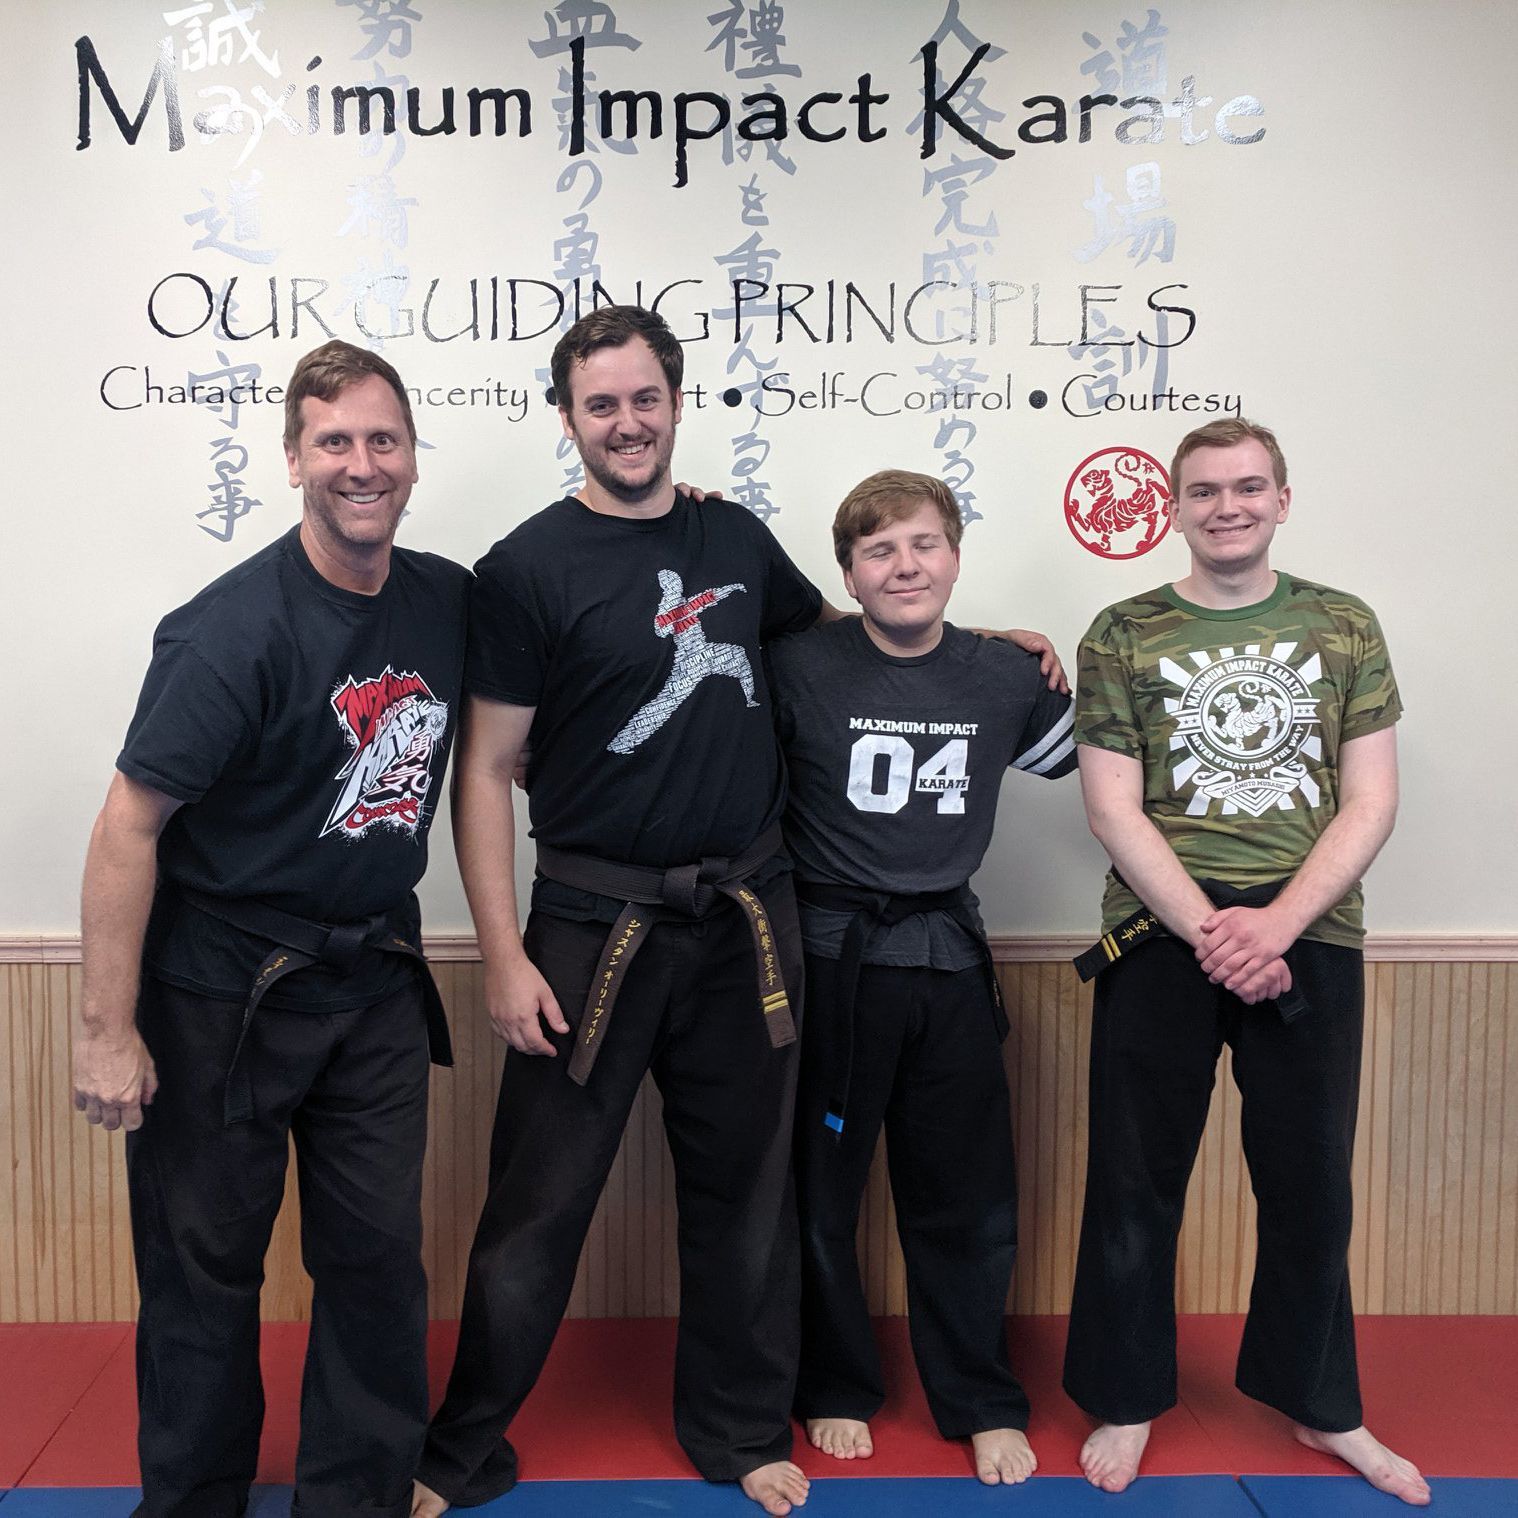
point(895, 767)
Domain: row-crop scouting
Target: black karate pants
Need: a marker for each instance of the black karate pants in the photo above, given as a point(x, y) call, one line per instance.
point(351, 1087)
point(927, 1062)
point(1158, 1028)
point(689, 1012)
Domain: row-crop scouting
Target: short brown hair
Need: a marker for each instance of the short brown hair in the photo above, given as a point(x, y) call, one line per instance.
point(885, 497)
point(614, 327)
point(327, 370)
point(1224, 433)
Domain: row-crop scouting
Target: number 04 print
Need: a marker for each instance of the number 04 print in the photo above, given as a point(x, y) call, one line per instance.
point(943, 774)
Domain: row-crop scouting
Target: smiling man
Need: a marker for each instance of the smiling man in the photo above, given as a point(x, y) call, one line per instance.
point(898, 728)
point(271, 807)
point(620, 630)
point(1239, 765)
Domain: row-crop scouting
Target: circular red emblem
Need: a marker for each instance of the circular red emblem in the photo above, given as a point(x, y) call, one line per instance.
point(1117, 503)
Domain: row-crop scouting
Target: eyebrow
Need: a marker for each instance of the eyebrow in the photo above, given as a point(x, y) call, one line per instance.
point(1243, 479)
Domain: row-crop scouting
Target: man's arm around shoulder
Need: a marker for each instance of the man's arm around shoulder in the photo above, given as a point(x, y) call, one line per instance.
point(491, 740)
point(1238, 940)
point(114, 1076)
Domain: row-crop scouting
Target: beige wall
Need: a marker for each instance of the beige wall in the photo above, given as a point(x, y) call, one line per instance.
point(1436, 1168)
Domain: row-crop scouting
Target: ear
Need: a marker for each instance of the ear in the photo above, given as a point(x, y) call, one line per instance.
point(565, 423)
point(292, 463)
point(1283, 504)
point(679, 406)
point(848, 581)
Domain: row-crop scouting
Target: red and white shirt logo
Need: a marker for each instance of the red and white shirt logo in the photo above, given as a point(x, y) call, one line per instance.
point(395, 727)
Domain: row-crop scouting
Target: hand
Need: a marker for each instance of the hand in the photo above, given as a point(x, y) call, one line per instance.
point(1237, 943)
point(517, 1001)
point(1048, 661)
point(519, 774)
point(114, 1078)
point(697, 494)
point(1267, 984)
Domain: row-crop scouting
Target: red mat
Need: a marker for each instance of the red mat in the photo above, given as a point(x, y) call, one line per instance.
point(48, 1369)
point(1442, 1391)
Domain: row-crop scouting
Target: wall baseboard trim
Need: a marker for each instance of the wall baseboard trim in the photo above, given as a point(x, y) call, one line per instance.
point(1402, 948)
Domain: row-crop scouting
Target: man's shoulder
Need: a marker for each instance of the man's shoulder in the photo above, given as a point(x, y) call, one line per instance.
point(434, 574)
point(249, 591)
point(1135, 617)
point(986, 654)
point(541, 533)
point(819, 647)
point(1339, 604)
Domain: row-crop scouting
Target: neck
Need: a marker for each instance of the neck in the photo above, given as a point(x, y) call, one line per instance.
point(1224, 592)
point(658, 501)
point(357, 569)
point(902, 642)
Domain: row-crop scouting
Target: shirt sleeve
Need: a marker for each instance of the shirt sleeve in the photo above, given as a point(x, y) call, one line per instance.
point(1373, 701)
point(791, 602)
point(188, 726)
point(508, 644)
point(1047, 744)
point(1104, 711)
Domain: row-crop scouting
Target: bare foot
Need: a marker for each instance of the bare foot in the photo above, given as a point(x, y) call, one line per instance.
point(842, 1438)
point(1110, 1457)
point(425, 1503)
point(1003, 1455)
point(1384, 1470)
point(776, 1487)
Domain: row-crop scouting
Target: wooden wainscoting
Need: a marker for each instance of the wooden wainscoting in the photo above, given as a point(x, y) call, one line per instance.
point(1436, 1172)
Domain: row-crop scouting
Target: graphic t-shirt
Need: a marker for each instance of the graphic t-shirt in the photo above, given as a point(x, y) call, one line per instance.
point(1238, 717)
point(307, 729)
point(639, 644)
point(895, 768)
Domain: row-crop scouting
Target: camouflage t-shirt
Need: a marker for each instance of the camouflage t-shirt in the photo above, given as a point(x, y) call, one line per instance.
point(1237, 717)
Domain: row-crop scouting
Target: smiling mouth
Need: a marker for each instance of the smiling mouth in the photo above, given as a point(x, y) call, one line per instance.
point(361, 498)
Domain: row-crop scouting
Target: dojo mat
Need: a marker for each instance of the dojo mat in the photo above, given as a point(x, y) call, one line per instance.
point(595, 1436)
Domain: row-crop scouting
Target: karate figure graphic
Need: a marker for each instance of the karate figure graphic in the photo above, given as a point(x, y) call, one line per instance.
point(695, 659)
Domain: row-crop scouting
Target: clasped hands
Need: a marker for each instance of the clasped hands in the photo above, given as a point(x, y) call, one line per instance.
point(1241, 949)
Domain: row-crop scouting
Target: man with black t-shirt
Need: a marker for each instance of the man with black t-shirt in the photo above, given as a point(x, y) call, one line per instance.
point(897, 729)
point(621, 629)
point(253, 868)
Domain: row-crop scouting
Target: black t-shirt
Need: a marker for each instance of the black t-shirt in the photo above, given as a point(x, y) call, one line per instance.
point(307, 729)
point(639, 644)
point(895, 770)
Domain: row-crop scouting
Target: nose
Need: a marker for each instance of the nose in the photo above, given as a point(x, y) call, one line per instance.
point(360, 465)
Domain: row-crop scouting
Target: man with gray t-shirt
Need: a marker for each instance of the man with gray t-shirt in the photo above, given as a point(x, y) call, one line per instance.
point(897, 727)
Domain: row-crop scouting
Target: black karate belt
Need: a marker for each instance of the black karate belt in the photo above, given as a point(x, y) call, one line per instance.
point(1142, 926)
point(685, 893)
point(299, 944)
point(872, 909)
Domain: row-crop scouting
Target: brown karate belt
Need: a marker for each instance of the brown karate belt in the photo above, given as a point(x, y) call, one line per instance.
point(685, 893)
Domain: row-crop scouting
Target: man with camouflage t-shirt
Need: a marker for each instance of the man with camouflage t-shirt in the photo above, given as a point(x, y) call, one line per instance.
point(1238, 761)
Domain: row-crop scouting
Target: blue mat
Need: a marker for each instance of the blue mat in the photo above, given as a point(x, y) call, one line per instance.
point(885, 1497)
point(833, 1497)
point(1350, 1497)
